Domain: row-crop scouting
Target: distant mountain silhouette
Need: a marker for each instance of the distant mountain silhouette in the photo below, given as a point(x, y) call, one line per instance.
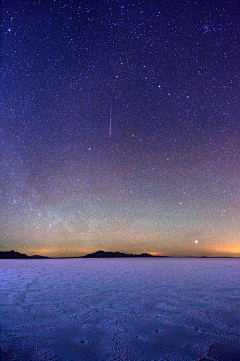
point(99, 254)
point(103, 254)
point(16, 255)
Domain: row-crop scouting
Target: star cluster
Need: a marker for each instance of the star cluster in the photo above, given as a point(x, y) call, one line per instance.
point(167, 180)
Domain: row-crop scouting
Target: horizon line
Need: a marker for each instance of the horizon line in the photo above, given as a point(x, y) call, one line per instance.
point(132, 255)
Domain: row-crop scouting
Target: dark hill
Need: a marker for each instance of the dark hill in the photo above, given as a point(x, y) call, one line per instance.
point(102, 254)
point(16, 255)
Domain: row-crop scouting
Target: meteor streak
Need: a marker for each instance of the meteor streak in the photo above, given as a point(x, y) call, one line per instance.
point(110, 123)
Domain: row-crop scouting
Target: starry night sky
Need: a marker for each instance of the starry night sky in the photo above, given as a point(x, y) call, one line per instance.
point(167, 180)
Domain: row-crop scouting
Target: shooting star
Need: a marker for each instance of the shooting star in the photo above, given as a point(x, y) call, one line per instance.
point(110, 123)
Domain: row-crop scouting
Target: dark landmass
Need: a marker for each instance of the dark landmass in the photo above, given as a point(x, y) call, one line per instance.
point(99, 254)
point(16, 255)
point(103, 254)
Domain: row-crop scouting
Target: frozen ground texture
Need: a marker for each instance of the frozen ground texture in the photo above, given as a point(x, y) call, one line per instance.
point(120, 309)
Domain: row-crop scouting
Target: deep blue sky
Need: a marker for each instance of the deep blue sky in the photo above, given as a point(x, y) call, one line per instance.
point(168, 175)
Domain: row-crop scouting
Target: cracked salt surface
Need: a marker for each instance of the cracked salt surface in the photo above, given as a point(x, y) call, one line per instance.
point(120, 309)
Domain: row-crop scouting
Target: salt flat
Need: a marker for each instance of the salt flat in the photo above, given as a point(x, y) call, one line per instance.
point(120, 309)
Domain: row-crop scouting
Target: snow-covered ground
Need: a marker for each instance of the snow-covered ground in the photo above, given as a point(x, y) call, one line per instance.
point(120, 309)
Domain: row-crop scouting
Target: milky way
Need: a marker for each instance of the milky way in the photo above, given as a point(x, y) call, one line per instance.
point(168, 175)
